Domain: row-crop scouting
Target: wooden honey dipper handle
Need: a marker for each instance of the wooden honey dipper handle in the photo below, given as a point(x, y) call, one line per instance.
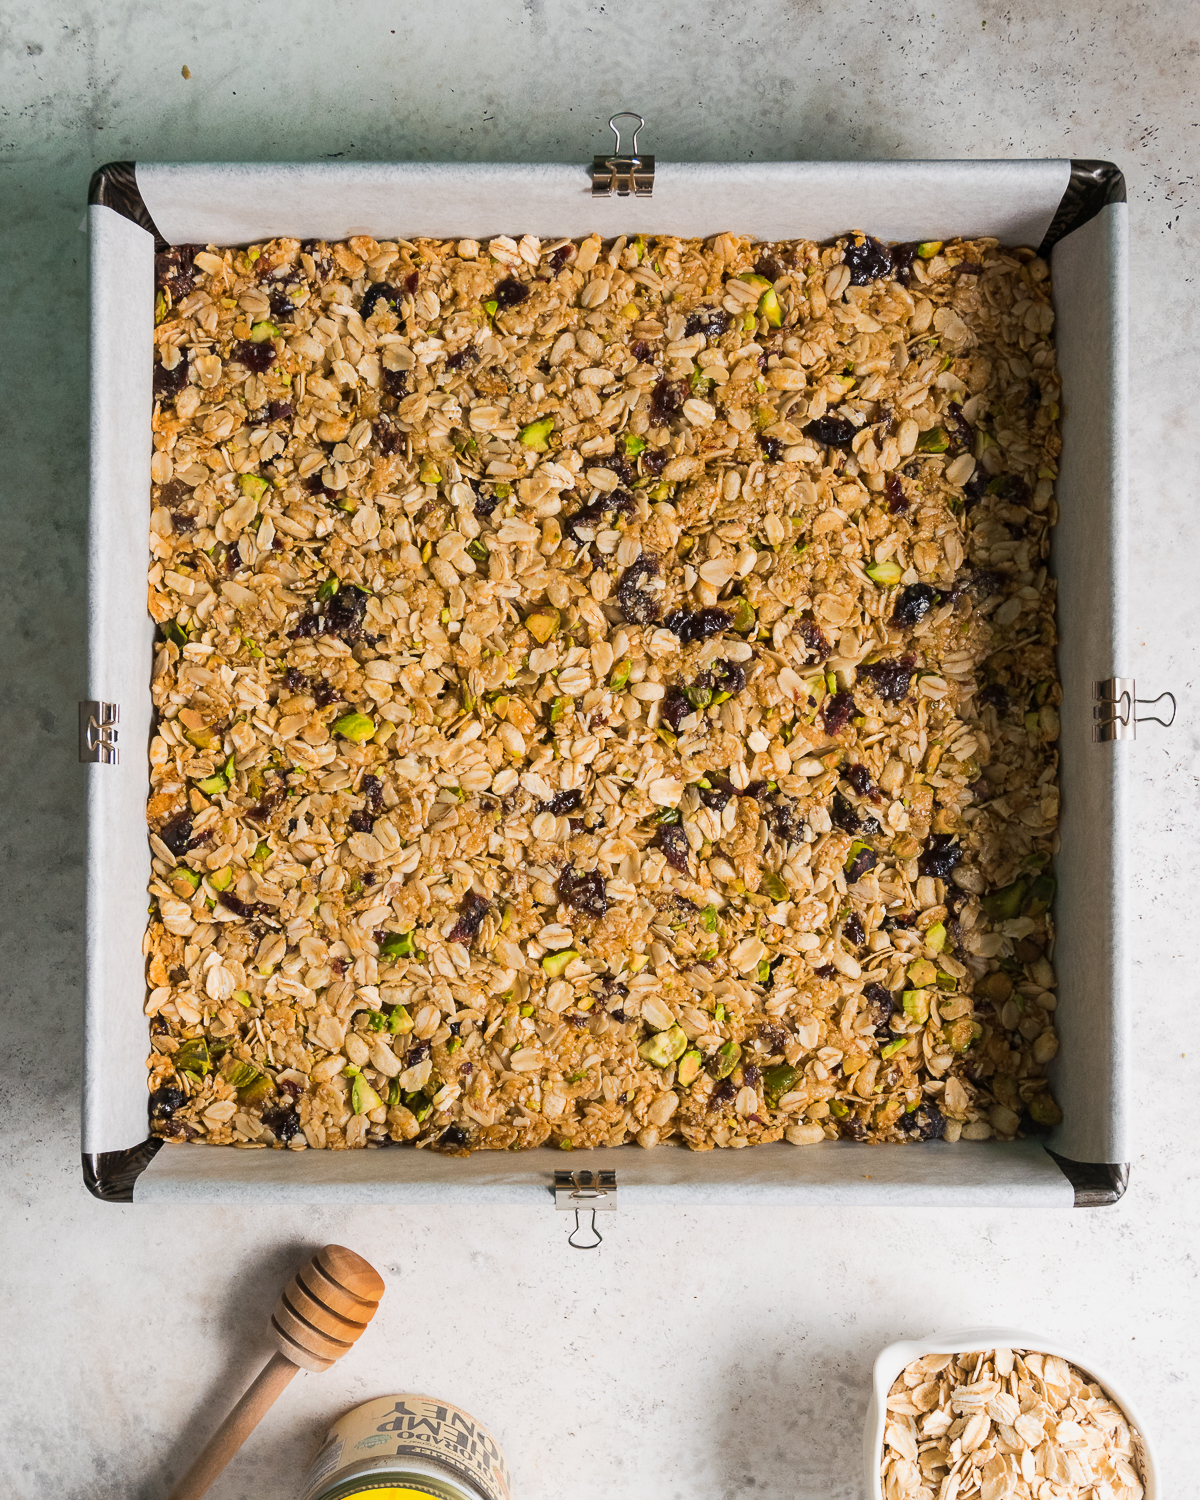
point(323, 1310)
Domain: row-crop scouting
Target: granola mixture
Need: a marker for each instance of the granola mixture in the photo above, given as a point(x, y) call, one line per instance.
point(1006, 1424)
point(606, 692)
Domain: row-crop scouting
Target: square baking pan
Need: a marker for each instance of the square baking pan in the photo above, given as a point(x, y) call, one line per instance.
point(1076, 213)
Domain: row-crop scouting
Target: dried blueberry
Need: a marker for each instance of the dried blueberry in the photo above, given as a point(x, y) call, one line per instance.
point(654, 459)
point(454, 1137)
point(814, 638)
point(563, 802)
point(975, 488)
point(868, 259)
point(860, 779)
point(583, 891)
point(261, 811)
point(925, 1123)
point(325, 693)
point(462, 359)
point(722, 1093)
point(674, 709)
point(372, 792)
point(710, 321)
point(831, 432)
point(673, 842)
point(282, 1121)
point(784, 818)
point(902, 260)
point(890, 679)
point(642, 352)
point(485, 504)
point(728, 677)
point(995, 695)
point(560, 257)
point(169, 383)
point(913, 604)
point(177, 833)
point(772, 447)
point(417, 1053)
point(510, 293)
point(389, 437)
point(897, 500)
point(341, 615)
point(878, 1006)
point(844, 814)
point(863, 861)
point(165, 1101)
point(471, 911)
point(295, 680)
point(395, 383)
point(854, 931)
point(716, 797)
point(379, 292)
point(962, 435)
point(768, 266)
point(638, 605)
point(837, 711)
point(667, 397)
point(940, 856)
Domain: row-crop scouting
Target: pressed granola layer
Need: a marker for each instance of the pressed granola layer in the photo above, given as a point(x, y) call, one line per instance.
point(606, 692)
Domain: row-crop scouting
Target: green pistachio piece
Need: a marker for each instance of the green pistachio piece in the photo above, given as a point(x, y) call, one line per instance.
point(363, 1096)
point(1045, 1110)
point(664, 1048)
point(744, 618)
point(354, 726)
point(885, 574)
point(922, 973)
point(559, 707)
point(763, 970)
point(889, 1049)
point(477, 550)
point(620, 676)
point(397, 945)
point(536, 435)
point(927, 249)
point(491, 307)
point(916, 1006)
point(708, 919)
point(769, 308)
point(689, 1068)
point(174, 631)
point(1003, 905)
point(261, 332)
point(961, 1034)
point(554, 963)
point(377, 1021)
point(634, 445)
point(1041, 894)
point(946, 982)
point(935, 937)
point(252, 486)
point(724, 1060)
point(328, 588)
point(221, 880)
point(933, 440)
point(772, 885)
point(193, 1056)
point(543, 624)
point(779, 1080)
point(400, 1023)
point(184, 882)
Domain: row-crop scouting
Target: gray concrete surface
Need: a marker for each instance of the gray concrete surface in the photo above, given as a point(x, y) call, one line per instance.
point(699, 1354)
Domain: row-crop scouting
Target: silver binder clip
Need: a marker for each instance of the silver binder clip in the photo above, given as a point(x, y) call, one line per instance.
point(1115, 709)
point(98, 732)
point(623, 173)
point(585, 1192)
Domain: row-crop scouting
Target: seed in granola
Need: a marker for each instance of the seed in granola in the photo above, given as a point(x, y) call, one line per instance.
point(638, 605)
point(897, 500)
point(673, 842)
point(868, 259)
point(510, 293)
point(890, 679)
point(471, 911)
point(924, 1123)
point(666, 399)
point(940, 856)
point(583, 891)
point(837, 711)
point(913, 603)
point(831, 432)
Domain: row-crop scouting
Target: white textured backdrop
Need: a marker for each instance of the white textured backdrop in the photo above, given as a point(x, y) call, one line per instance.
point(711, 1354)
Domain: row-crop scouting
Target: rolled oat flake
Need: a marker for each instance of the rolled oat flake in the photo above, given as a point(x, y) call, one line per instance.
point(408, 1448)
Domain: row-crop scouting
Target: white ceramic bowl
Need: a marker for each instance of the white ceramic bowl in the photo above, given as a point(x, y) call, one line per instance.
point(896, 1356)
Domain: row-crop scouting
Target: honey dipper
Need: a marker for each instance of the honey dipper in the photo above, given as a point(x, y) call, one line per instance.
point(321, 1313)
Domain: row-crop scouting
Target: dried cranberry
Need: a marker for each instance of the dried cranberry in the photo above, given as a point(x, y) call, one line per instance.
point(674, 709)
point(784, 818)
point(642, 352)
point(462, 359)
point(772, 447)
point(484, 504)
point(279, 411)
point(417, 1053)
point(968, 268)
point(868, 259)
point(722, 1093)
point(913, 604)
point(380, 292)
point(890, 679)
point(852, 1129)
point(261, 811)
point(184, 523)
point(471, 911)
point(854, 931)
point(925, 1123)
point(340, 615)
point(372, 791)
point(995, 695)
point(177, 834)
point(389, 437)
point(560, 257)
point(897, 500)
point(255, 357)
point(279, 298)
point(563, 802)
point(325, 693)
point(768, 266)
point(825, 971)
point(863, 861)
point(169, 383)
point(233, 558)
point(859, 778)
point(246, 909)
point(321, 258)
point(165, 1101)
point(837, 711)
point(716, 797)
point(831, 432)
point(844, 814)
point(879, 1007)
point(667, 397)
point(902, 260)
point(454, 1137)
point(940, 856)
point(673, 842)
point(510, 293)
point(638, 605)
point(814, 638)
point(710, 321)
point(395, 383)
point(962, 435)
point(583, 891)
point(295, 680)
point(700, 625)
point(728, 677)
point(175, 269)
point(282, 1121)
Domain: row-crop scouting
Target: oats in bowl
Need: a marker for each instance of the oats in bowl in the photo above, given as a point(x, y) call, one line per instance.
point(606, 692)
